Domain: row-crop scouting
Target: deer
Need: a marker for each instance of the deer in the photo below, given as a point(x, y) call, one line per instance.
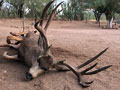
point(34, 50)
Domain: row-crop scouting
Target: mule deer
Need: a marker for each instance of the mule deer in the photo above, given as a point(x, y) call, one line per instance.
point(34, 50)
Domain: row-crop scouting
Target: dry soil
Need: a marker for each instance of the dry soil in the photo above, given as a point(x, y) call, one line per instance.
point(74, 41)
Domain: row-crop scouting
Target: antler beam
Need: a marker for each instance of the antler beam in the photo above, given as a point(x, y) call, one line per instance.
point(85, 72)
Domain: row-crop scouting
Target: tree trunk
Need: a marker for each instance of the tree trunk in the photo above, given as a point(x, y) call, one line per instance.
point(109, 23)
point(109, 19)
point(20, 13)
point(20, 10)
point(1, 3)
point(97, 16)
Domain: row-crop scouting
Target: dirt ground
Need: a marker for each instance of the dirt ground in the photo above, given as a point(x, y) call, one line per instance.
point(74, 41)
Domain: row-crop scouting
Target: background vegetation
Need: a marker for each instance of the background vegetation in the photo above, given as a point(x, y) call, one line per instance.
point(73, 10)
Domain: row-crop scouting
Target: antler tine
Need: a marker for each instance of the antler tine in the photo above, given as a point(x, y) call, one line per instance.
point(59, 11)
point(95, 71)
point(92, 59)
point(42, 41)
point(83, 84)
point(52, 16)
point(39, 27)
point(47, 49)
point(84, 71)
point(44, 12)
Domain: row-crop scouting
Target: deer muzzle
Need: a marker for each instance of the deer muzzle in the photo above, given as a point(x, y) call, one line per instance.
point(33, 74)
point(34, 71)
point(29, 76)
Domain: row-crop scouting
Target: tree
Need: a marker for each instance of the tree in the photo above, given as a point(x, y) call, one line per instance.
point(18, 5)
point(112, 7)
point(1, 3)
point(73, 10)
point(34, 6)
point(97, 6)
point(108, 7)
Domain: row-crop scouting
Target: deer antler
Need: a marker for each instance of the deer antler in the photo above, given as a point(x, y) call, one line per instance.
point(42, 41)
point(44, 12)
point(85, 72)
point(52, 16)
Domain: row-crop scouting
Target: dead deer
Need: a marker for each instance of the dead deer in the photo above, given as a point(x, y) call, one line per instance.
point(34, 50)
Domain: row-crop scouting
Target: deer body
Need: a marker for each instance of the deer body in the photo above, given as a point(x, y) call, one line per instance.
point(29, 50)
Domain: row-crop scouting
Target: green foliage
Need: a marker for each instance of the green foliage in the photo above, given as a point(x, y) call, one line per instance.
point(103, 6)
point(112, 6)
point(1, 2)
point(108, 7)
point(6, 13)
point(18, 7)
point(35, 7)
point(72, 11)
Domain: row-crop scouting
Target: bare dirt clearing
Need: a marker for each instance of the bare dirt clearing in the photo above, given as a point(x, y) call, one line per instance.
point(74, 41)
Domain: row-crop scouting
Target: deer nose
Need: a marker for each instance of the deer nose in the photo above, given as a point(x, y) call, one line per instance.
point(29, 76)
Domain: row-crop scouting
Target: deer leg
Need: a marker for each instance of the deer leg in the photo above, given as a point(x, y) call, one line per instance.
point(18, 34)
point(8, 57)
point(11, 46)
point(14, 46)
point(9, 38)
point(21, 33)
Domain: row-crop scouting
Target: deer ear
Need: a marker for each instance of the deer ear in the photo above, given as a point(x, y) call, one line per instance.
point(45, 62)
